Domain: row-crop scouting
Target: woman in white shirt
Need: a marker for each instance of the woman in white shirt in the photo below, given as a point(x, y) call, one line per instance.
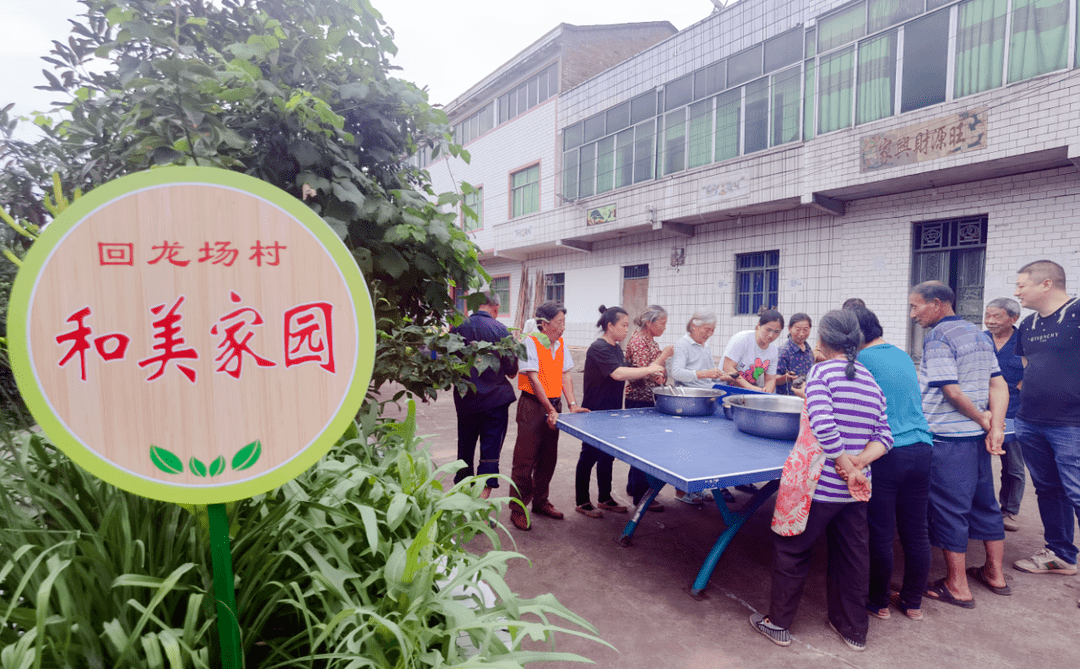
point(692, 363)
point(751, 355)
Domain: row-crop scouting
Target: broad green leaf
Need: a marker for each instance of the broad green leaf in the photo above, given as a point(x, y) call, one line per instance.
point(196, 466)
point(165, 460)
point(247, 456)
point(217, 466)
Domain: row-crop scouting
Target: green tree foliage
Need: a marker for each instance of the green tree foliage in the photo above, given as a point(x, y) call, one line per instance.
point(294, 92)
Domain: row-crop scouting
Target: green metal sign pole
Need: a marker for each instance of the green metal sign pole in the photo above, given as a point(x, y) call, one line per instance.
point(224, 592)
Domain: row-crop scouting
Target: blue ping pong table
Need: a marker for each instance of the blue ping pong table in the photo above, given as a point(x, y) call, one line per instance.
point(699, 453)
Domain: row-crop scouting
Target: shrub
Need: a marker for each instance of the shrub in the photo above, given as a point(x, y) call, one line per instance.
point(356, 563)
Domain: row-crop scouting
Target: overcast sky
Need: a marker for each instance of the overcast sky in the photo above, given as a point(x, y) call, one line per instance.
point(444, 45)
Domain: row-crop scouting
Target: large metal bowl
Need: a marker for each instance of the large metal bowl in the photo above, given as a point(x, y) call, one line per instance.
point(766, 415)
point(686, 401)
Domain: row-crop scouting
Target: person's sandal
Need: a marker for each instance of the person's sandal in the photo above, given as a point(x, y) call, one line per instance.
point(881, 614)
point(913, 614)
point(590, 511)
point(691, 498)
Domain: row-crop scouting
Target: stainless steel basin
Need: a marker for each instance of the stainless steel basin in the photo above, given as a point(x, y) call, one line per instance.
point(765, 415)
point(684, 401)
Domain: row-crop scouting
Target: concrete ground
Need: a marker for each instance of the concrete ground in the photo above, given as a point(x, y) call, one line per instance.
point(636, 596)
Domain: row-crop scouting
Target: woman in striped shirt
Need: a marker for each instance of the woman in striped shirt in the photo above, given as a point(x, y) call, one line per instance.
point(847, 414)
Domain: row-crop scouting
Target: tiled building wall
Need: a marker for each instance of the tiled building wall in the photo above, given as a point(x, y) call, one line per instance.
point(1030, 217)
point(824, 259)
point(706, 279)
point(521, 141)
point(1023, 118)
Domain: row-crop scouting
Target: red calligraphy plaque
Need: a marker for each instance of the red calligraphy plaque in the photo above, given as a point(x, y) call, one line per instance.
point(197, 382)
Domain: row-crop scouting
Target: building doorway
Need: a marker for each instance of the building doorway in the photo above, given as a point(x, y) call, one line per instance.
point(635, 291)
point(952, 251)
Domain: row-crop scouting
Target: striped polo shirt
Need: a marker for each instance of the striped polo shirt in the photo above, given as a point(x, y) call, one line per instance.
point(844, 414)
point(955, 351)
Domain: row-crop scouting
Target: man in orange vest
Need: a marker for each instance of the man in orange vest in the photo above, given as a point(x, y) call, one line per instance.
point(543, 379)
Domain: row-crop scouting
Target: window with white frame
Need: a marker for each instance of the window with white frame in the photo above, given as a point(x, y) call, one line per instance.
point(529, 93)
point(474, 200)
point(475, 125)
point(525, 191)
point(555, 287)
point(757, 281)
point(500, 285)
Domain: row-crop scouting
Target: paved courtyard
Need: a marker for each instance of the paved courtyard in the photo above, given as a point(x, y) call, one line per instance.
point(636, 596)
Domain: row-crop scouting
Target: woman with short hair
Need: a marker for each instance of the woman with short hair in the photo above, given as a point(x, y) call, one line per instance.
point(796, 357)
point(692, 363)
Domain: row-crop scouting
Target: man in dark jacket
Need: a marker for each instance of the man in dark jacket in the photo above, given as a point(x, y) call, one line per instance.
point(484, 413)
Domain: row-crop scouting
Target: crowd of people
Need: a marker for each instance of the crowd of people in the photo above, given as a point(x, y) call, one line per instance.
point(926, 435)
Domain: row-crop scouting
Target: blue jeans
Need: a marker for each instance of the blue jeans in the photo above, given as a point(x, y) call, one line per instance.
point(1012, 478)
point(901, 490)
point(1052, 455)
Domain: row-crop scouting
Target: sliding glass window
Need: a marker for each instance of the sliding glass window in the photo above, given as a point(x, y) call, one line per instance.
point(644, 151)
point(980, 46)
point(674, 156)
point(926, 58)
point(842, 28)
point(624, 158)
point(785, 107)
point(835, 88)
point(605, 164)
point(756, 127)
point(699, 141)
point(1039, 39)
point(885, 13)
point(877, 78)
point(570, 174)
point(728, 115)
point(587, 170)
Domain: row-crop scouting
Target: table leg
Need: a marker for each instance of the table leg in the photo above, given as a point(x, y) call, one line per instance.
point(734, 521)
point(655, 485)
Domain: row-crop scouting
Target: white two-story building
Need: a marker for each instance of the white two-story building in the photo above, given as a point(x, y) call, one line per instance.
point(788, 153)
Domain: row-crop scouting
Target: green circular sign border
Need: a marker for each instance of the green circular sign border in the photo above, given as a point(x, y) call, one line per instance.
point(53, 426)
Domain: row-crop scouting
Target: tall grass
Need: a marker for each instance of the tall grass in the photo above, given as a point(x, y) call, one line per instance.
point(356, 563)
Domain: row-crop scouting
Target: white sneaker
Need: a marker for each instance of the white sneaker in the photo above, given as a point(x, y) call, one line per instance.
point(1045, 562)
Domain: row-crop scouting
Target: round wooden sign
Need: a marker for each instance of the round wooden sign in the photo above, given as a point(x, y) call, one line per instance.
point(191, 334)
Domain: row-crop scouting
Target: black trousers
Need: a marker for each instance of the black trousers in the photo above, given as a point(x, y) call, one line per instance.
point(590, 455)
point(490, 428)
point(636, 483)
point(848, 571)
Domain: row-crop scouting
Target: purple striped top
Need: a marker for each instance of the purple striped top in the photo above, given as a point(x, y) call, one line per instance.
point(844, 414)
